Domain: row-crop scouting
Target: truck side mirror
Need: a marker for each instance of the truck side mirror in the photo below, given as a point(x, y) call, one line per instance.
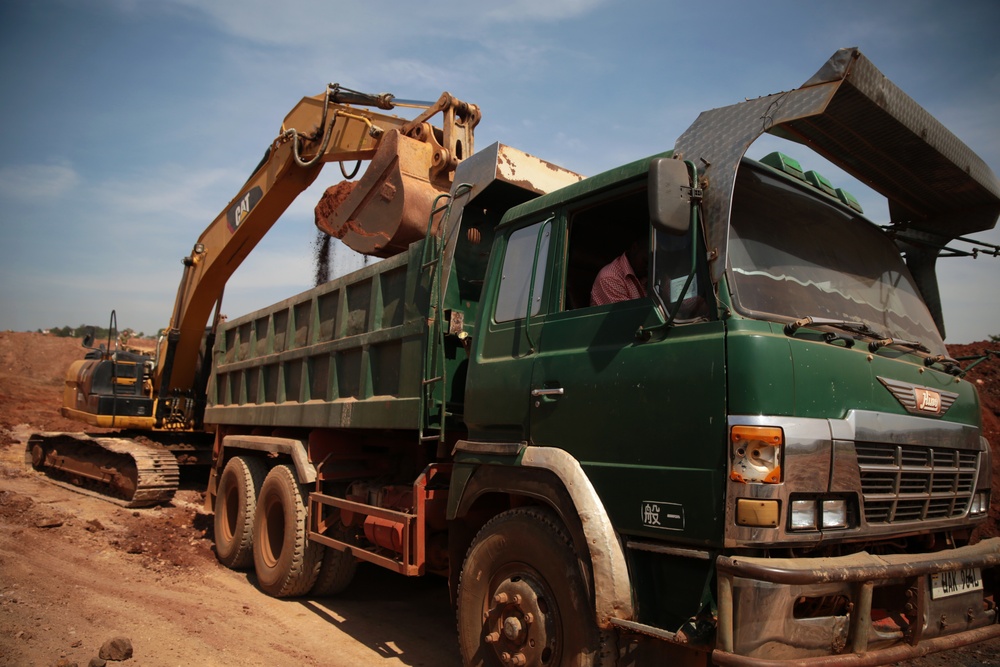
point(670, 195)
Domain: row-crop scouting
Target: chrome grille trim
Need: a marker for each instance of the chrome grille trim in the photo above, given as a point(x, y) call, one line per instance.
point(902, 483)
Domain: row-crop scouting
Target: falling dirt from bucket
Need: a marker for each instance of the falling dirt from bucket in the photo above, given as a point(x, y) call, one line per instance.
point(322, 250)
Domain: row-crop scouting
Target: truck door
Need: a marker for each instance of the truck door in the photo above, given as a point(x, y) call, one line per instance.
point(645, 415)
point(497, 407)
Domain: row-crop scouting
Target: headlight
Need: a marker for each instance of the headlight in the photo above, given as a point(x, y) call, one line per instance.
point(820, 514)
point(803, 515)
point(835, 513)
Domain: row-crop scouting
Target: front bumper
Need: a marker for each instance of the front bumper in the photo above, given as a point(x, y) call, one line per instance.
point(860, 609)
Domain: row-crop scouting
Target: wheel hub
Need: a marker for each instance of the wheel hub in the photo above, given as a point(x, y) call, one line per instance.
point(520, 624)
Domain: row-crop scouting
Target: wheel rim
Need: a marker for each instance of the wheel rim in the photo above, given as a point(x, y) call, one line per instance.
point(274, 532)
point(230, 508)
point(521, 619)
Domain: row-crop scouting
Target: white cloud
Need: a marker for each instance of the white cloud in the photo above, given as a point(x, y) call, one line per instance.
point(534, 10)
point(303, 22)
point(320, 23)
point(170, 189)
point(32, 182)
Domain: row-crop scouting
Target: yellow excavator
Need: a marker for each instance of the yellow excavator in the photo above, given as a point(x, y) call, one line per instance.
point(158, 400)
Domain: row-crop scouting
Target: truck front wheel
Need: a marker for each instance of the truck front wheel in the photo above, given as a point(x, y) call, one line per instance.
point(235, 505)
point(522, 596)
point(285, 561)
point(336, 573)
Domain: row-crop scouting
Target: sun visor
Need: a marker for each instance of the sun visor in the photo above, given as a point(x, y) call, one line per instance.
point(851, 114)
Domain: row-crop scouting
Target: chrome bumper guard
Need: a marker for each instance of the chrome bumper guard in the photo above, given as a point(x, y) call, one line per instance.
point(758, 624)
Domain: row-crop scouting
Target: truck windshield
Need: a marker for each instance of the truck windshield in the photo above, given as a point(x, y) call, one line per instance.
point(794, 255)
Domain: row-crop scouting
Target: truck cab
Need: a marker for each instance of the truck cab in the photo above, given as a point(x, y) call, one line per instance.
point(768, 452)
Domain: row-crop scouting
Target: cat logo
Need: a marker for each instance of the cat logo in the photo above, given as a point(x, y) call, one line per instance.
point(238, 212)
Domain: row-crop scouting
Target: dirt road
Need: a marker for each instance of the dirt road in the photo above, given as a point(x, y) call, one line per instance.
point(76, 571)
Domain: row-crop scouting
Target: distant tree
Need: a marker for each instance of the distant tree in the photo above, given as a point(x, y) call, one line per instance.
point(995, 339)
point(100, 333)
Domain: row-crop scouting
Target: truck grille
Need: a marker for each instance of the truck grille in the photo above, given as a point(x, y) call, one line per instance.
point(904, 483)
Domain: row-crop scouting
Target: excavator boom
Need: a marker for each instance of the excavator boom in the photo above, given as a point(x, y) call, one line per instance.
point(161, 398)
point(411, 163)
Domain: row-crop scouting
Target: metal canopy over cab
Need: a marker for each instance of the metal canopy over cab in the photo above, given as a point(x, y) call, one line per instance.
point(851, 114)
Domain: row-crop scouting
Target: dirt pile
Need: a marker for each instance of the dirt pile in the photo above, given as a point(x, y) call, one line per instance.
point(32, 368)
point(986, 377)
point(332, 198)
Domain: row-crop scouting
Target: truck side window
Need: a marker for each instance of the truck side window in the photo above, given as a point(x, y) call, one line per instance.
point(512, 300)
point(671, 270)
point(600, 233)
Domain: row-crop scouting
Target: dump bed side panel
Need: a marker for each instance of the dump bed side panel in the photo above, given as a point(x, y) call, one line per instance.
point(346, 354)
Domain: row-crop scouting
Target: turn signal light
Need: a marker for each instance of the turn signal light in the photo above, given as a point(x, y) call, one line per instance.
point(760, 513)
point(756, 454)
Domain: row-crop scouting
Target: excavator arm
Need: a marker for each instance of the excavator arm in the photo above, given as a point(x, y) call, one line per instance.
point(411, 163)
point(161, 401)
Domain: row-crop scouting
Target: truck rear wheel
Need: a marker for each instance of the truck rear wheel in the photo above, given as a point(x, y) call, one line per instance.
point(285, 561)
point(523, 596)
point(235, 505)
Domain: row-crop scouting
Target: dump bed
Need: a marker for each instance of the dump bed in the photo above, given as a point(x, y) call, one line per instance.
point(349, 353)
point(382, 347)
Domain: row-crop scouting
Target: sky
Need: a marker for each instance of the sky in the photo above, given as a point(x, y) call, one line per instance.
point(126, 126)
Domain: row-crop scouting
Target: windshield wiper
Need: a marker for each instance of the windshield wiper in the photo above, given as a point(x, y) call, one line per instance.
point(877, 345)
point(859, 328)
point(951, 366)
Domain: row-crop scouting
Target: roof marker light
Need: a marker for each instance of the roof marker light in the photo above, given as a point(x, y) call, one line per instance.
point(782, 162)
point(849, 199)
point(820, 182)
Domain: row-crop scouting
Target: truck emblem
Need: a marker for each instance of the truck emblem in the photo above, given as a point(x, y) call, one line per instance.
point(919, 400)
point(928, 401)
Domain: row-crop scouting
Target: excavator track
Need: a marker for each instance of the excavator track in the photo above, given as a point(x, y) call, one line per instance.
point(123, 471)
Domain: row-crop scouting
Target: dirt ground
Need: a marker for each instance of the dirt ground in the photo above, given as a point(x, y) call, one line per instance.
point(76, 571)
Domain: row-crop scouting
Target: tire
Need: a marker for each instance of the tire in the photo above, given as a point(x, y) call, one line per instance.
point(285, 561)
point(523, 591)
point(335, 574)
point(235, 505)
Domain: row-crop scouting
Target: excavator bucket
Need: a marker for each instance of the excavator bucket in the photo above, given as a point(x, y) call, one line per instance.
point(391, 204)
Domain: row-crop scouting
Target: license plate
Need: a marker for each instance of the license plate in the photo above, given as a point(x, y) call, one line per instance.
point(956, 582)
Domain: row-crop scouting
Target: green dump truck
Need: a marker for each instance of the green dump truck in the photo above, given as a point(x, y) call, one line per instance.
point(761, 453)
